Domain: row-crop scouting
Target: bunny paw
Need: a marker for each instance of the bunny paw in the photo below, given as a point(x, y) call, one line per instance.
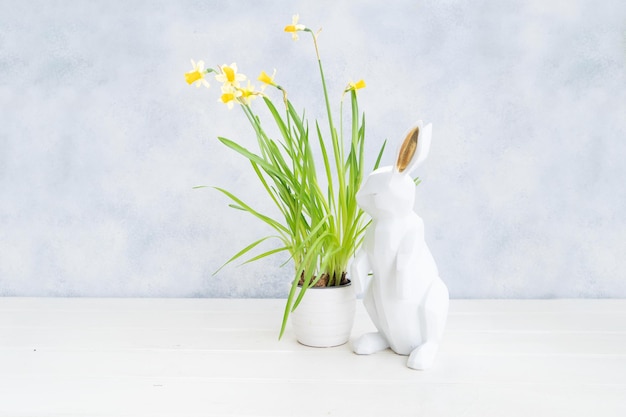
point(370, 343)
point(423, 357)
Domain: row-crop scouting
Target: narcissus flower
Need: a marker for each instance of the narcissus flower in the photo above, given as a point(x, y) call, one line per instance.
point(229, 96)
point(197, 75)
point(294, 27)
point(266, 79)
point(248, 93)
point(355, 86)
point(229, 76)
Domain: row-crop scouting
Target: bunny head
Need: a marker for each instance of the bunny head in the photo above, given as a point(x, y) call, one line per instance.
point(390, 191)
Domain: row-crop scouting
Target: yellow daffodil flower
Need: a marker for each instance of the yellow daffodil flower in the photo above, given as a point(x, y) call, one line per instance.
point(248, 93)
point(294, 27)
point(197, 75)
point(355, 86)
point(266, 79)
point(229, 76)
point(229, 96)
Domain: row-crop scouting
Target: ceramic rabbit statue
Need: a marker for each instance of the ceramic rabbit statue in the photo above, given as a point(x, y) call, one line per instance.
point(404, 297)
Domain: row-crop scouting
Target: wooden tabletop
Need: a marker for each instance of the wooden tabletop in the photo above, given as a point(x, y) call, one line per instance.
point(221, 357)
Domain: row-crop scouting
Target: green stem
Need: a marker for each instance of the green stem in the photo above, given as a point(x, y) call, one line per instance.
point(337, 147)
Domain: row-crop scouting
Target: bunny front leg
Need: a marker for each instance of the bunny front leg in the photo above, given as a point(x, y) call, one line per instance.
point(406, 284)
point(433, 312)
point(359, 272)
point(370, 342)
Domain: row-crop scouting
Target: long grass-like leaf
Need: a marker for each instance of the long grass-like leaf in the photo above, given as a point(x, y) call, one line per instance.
point(380, 155)
point(251, 156)
point(310, 260)
point(268, 220)
point(243, 252)
point(268, 189)
point(265, 254)
point(280, 123)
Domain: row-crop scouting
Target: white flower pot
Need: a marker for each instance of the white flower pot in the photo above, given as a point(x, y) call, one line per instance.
point(325, 316)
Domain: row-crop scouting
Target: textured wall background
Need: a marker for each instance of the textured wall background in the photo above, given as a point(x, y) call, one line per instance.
point(101, 141)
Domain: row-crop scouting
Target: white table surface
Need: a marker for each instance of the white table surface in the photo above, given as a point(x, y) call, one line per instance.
point(216, 357)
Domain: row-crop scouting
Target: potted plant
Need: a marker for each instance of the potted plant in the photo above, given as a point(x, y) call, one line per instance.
point(321, 225)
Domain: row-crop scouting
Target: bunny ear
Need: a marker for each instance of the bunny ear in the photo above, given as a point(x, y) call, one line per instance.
point(414, 148)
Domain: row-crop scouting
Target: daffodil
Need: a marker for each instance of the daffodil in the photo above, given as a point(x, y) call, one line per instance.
point(229, 76)
point(294, 27)
point(229, 96)
point(325, 241)
point(197, 75)
point(266, 79)
point(248, 93)
point(355, 86)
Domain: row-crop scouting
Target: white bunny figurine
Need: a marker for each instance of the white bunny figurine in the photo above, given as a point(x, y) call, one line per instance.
point(405, 298)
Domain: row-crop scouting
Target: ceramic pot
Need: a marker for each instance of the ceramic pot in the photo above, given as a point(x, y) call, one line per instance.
point(325, 316)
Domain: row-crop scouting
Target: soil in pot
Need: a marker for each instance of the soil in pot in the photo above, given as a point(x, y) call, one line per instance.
point(324, 279)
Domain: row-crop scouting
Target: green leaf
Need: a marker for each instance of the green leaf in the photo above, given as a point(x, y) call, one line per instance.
point(243, 252)
point(327, 166)
point(380, 155)
point(309, 262)
point(251, 156)
point(271, 222)
point(284, 131)
point(264, 254)
point(268, 189)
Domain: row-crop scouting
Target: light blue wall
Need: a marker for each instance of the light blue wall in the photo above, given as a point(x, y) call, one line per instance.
point(101, 141)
